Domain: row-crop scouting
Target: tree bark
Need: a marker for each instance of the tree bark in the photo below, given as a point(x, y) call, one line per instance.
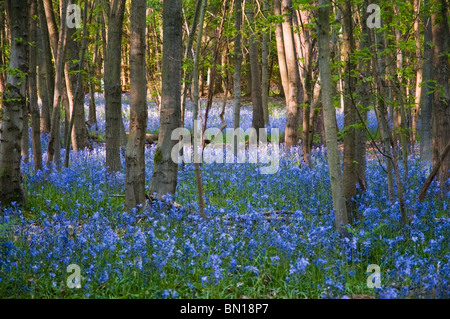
point(340, 211)
point(280, 50)
point(52, 27)
point(419, 72)
point(379, 69)
point(237, 70)
point(14, 104)
point(3, 41)
point(426, 97)
point(32, 86)
point(306, 45)
point(258, 115)
point(165, 171)
point(265, 68)
point(402, 129)
point(441, 92)
point(348, 47)
point(292, 105)
point(77, 123)
point(135, 151)
point(92, 115)
point(195, 70)
point(189, 55)
point(113, 89)
point(363, 100)
point(46, 78)
point(54, 143)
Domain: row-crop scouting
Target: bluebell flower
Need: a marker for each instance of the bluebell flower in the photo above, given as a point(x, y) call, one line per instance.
point(104, 277)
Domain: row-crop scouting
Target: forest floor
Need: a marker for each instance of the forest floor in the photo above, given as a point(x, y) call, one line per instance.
point(246, 248)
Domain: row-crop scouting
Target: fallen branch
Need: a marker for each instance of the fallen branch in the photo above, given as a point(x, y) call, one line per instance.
point(433, 173)
point(152, 198)
point(149, 138)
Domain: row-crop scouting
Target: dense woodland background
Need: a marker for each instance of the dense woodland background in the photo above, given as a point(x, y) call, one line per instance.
point(368, 80)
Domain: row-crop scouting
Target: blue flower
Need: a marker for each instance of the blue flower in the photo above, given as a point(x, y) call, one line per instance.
point(104, 277)
point(299, 267)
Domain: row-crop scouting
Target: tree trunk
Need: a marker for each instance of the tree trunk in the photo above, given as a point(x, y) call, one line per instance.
point(441, 92)
point(92, 115)
point(280, 50)
point(77, 123)
point(292, 105)
point(419, 72)
point(258, 115)
point(189, 55)
point(385, 131)
point(51, 25)
point(363, 101)
point(54, 40)
point(3, 41)
point(32, 86)
point(196, 84)
point(379, 68)
point(340, 211)
point(306, 45)
point(237, 70)
point(195, 71)
point(265, 68)
point(46, 78)
point(113, 89)
point(165, 170)
point(54, 143)
point(348, 47)
point(75, 92)
point(398, 94)
point(25, 140)
point(14, 104)
point(426, 96)
point(135, 151)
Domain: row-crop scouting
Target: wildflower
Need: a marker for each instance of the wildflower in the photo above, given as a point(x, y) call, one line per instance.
point(299, 267)
point(252, 269)
point(275, 260)
point(104, 277)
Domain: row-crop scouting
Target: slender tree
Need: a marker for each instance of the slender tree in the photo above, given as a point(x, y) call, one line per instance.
point(340, 210)
point(441, 90)
point(426, 96)
point(265, 66)
point(306, 47)
point(54, 143)
point(45, 76)
point(32, 84)
point(292, 102)
point(280, 49)
point(195, 70)
point(113, 90)
point(258, 115)
point(362, 99)
point(348, 48)
point(77, 123)
point(237, 69)
point(135, 151)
